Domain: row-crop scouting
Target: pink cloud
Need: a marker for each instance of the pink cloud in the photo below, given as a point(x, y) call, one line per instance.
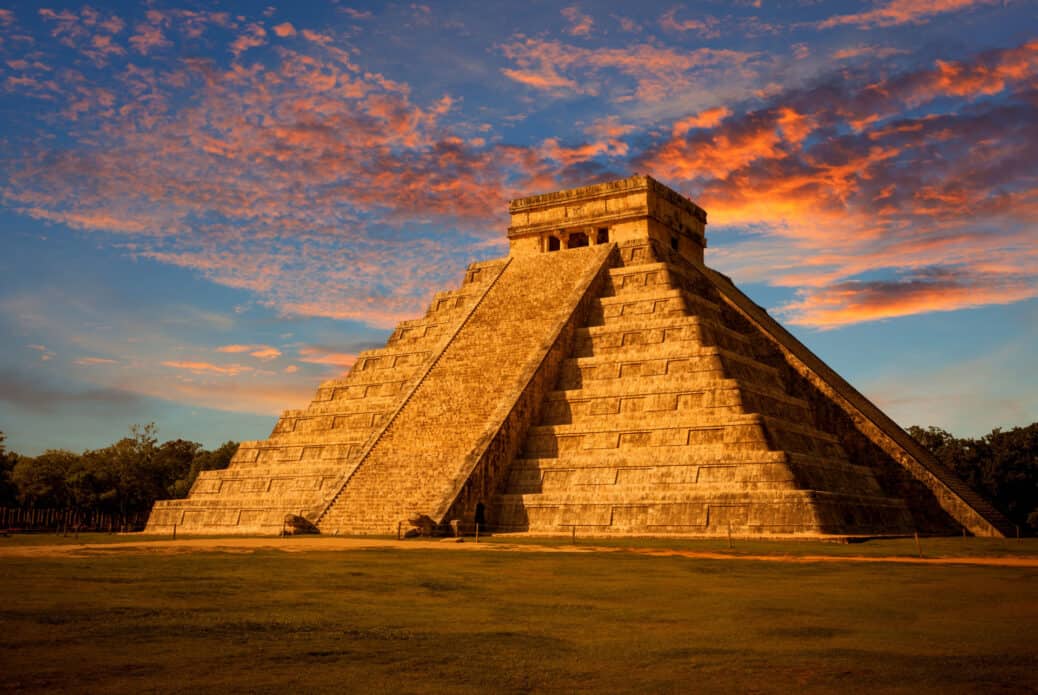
point(93, 361)
point(651, 72)
point(147, 38)
point(356, 14)
point(705, 27)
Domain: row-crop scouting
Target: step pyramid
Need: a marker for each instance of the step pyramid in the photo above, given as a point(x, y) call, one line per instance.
point(600, 380)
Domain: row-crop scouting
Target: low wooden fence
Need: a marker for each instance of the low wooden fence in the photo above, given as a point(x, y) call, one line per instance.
point(18, 520)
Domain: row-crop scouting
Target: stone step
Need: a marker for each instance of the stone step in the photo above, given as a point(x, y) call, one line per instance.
point(347, 408)
point(791, 512)
point(418, 332)
point(302, 452)
point(583, 405)
point(206, 520)
point(537, 475)
point(651, 334)
point(364, 377)
point(656, 304)
point(347, 391)
point(390, 357)
point(679, 430)
point(647, 277)
point(711, 363)
point(323, 469)
point(325, 428)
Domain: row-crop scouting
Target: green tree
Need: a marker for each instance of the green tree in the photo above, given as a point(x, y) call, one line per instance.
point(1002, 466)
point(217, 459)
point(173, 462)
point(8, 490)
point(125, 472)
point(42, 480)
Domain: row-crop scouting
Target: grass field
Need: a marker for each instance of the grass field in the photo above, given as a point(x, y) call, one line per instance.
point(437, 620)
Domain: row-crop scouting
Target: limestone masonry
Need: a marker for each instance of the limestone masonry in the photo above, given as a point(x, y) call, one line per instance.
point(599, 379)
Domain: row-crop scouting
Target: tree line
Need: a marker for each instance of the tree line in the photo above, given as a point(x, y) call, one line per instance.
point(1002, 466)
point(121, 480)
point(125, 478)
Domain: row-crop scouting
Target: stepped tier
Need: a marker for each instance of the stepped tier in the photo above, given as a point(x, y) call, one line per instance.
point(311, 451)
point(600, 380)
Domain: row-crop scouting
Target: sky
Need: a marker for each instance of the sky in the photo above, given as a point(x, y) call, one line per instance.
point(207, 208)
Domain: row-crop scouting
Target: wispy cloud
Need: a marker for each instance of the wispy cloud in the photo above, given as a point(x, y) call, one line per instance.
point(93, 361)
point(705, 26)
point(580, 24)
point(260, 352)
point(649, 71)
point(207, 367)
point(897, 12)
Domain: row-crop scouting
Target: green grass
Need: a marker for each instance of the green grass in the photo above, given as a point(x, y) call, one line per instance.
point(441, 621)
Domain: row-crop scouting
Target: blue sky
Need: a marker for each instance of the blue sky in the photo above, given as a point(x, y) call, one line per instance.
point(209, 208)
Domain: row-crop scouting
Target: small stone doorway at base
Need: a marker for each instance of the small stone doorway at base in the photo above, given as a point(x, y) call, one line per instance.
point(480, 517)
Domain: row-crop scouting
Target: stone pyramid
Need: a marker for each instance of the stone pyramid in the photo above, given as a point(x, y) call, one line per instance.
point(600, 379)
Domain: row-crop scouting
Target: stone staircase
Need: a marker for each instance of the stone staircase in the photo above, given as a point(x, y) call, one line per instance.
point(419, 462)
point(663, 421)
point(312, 451)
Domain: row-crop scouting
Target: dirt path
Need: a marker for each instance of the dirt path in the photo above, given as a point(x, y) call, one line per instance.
point(318, 544)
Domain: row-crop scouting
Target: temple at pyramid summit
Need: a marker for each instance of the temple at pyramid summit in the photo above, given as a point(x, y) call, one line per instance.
point(600, 380)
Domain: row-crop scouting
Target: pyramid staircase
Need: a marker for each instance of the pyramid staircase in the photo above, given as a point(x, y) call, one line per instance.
point(439, 437)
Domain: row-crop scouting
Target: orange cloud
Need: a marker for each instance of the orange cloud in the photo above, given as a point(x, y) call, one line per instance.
point(317, 355)
point(285, 29)
point(266, 353)
point(254, 37)
point(897, 12)
point(261, 352)
point(544, 78)
point(709, 118)
point(855, 301)
point(207, 367)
